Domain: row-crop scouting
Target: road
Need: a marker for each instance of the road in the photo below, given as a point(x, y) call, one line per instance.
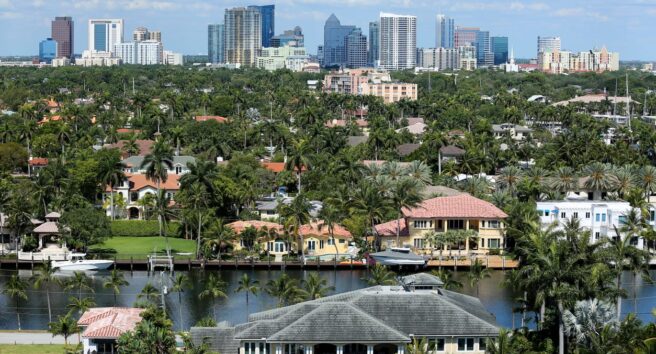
point(33, 337)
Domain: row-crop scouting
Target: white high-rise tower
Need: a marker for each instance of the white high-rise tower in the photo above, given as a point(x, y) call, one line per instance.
point(398, 41)
point(104, 34)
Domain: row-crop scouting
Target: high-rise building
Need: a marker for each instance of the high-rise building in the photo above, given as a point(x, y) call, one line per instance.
point(171, 58)
point(289, 38)
point(147, 52)
point(548, 44)
point(47, 50)
point(398, 41)
point(63, 34)
point(356, 49)
point(500, 49)
point(243, 35)
point(465, 36)
point(484, 54)
point(140, 34)
point(215, 43)
point(334, 37)
point(444, 31)
point(155, 36)
point(268, 26)
point(104, 34)
point(374, 43)
point(447, 58)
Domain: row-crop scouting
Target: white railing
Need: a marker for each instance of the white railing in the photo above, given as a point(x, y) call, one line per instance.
point(43, 256)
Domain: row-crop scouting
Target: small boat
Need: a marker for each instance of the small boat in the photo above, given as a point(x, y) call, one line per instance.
point(398, 256)
point(77, 261)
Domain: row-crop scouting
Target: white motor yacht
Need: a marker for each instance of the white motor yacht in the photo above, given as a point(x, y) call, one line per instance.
point(77, 261)
point(398, 256)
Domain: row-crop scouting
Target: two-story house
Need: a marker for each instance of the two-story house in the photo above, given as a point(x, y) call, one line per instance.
point(441, 214)
point(601, 218)
point(515, 131)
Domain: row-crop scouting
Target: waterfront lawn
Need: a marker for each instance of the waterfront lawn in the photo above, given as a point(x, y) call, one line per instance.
point(140, 247)
point(33, 348)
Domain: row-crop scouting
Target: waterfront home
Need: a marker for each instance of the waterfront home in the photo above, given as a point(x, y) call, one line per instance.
point(375, 320)
point(132, 192)
point(102, 326)
point(270, 233)
point(600, 218)
point(514, 131)
point(319, 241)
point(441, 214)
point(268, 207)
point(133, 164)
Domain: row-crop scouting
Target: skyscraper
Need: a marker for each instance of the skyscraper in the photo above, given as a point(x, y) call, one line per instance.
point(465, 36)
point(548, 44)
point(215, 43)
point(47, 50)
point(104, 34)
point(356, 49)
point(334, 35)
point(62, 33)
point(374, 42)
point(268, 18)
point(444, 32)
point(398, 41)
point(140, 34)
point(289, 38)
point(243, 35)
point(484, 54)
point(500, 49)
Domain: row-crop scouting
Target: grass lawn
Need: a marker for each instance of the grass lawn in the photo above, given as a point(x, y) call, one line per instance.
point(32, 348)
point(139, 247)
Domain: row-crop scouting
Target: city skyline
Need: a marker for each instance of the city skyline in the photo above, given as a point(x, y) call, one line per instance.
point(580, 25)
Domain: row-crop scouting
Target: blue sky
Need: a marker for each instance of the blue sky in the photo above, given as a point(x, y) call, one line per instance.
point(624, 26)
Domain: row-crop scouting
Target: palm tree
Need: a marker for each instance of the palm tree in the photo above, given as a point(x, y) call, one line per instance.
point(330, 216)
point(157, 165)
point(285, 289)
point(65, 326)
point(44, 279)
point(110, 172)
point(79, 281)
point(509, 178)
point(149, 292)
point(564, 180)
point(599, 177)
point(219, 235)
point(647, 180)
point(196, 196)
point(315, 286)
point(214, 289)
point(296, 214)
point(369, 203)
point(405, 194)
point(248, 286)
point(418, 346)
point(175, 135)
point(381, 275)
point(16, 288)
point(79, 305)
point(115, 282)
point(588, 319)
point(447, 279)
point(420, 172)
point(202, 172)
point(179, 283)
point(299, 158)
point(477, 272)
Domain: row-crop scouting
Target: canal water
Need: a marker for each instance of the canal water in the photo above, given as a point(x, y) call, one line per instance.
point(187, 309)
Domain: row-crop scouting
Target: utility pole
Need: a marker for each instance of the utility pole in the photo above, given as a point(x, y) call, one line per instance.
point(628, 102)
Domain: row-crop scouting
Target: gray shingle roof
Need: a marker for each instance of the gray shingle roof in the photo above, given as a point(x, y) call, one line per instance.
point(356, 140)
point(422, 279)
point(136, 161)
point(376, 314)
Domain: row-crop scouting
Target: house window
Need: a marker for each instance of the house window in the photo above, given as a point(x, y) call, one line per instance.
point(540, 212)
point(575, 215)
point(422, 224)
point(331, 242)
point(320, 244)
point(312, 245)
point(652, 215)
point(493, 224)
point(465, 344)
point(456, 224)
point(279, 246)
point(546, 213)
point(341, 240)
point(493, 243)
point(440, 224)
point(178, 170)
point(482, 344)
point(419, 243)
point(436, 344)
point(603, 217)
point(134, 196)
point(563, 215)
point(622, 219)
point(597, 234)
point(271, 212)
point(587, 215)
point(597, 217)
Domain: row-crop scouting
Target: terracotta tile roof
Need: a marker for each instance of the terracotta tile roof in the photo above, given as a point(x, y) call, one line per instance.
point(47, 119)
point(462, 206)
point(109, 322)
point(389, 228)
point(214, 118)
point(38, 161)
point(53, 104)
point(277, 167)
point(127, 130)
point(241, 225)
point(139, 181)
point(313, 229)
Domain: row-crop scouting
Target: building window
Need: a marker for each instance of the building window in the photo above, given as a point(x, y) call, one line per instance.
point(482, 344)
point(341, 240)
point(575, 215)
point(587, 215)
point(422, 224)
point(312, 245)
point(540, 212)
point(465, 344)
point(603, 217)
point(652, 215)
point(178, 170)
point(597, 234)
point(331, 242)
point(436, 344)
point(320, 244)
point(622, 219)
point(563, 215)
point(597, 217)
point(546, 213)
point(456, 224)
point(493, 224)
point(493, 243)
point(419, 243)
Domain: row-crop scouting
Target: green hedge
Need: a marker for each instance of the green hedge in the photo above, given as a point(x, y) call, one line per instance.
point(141, 228)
